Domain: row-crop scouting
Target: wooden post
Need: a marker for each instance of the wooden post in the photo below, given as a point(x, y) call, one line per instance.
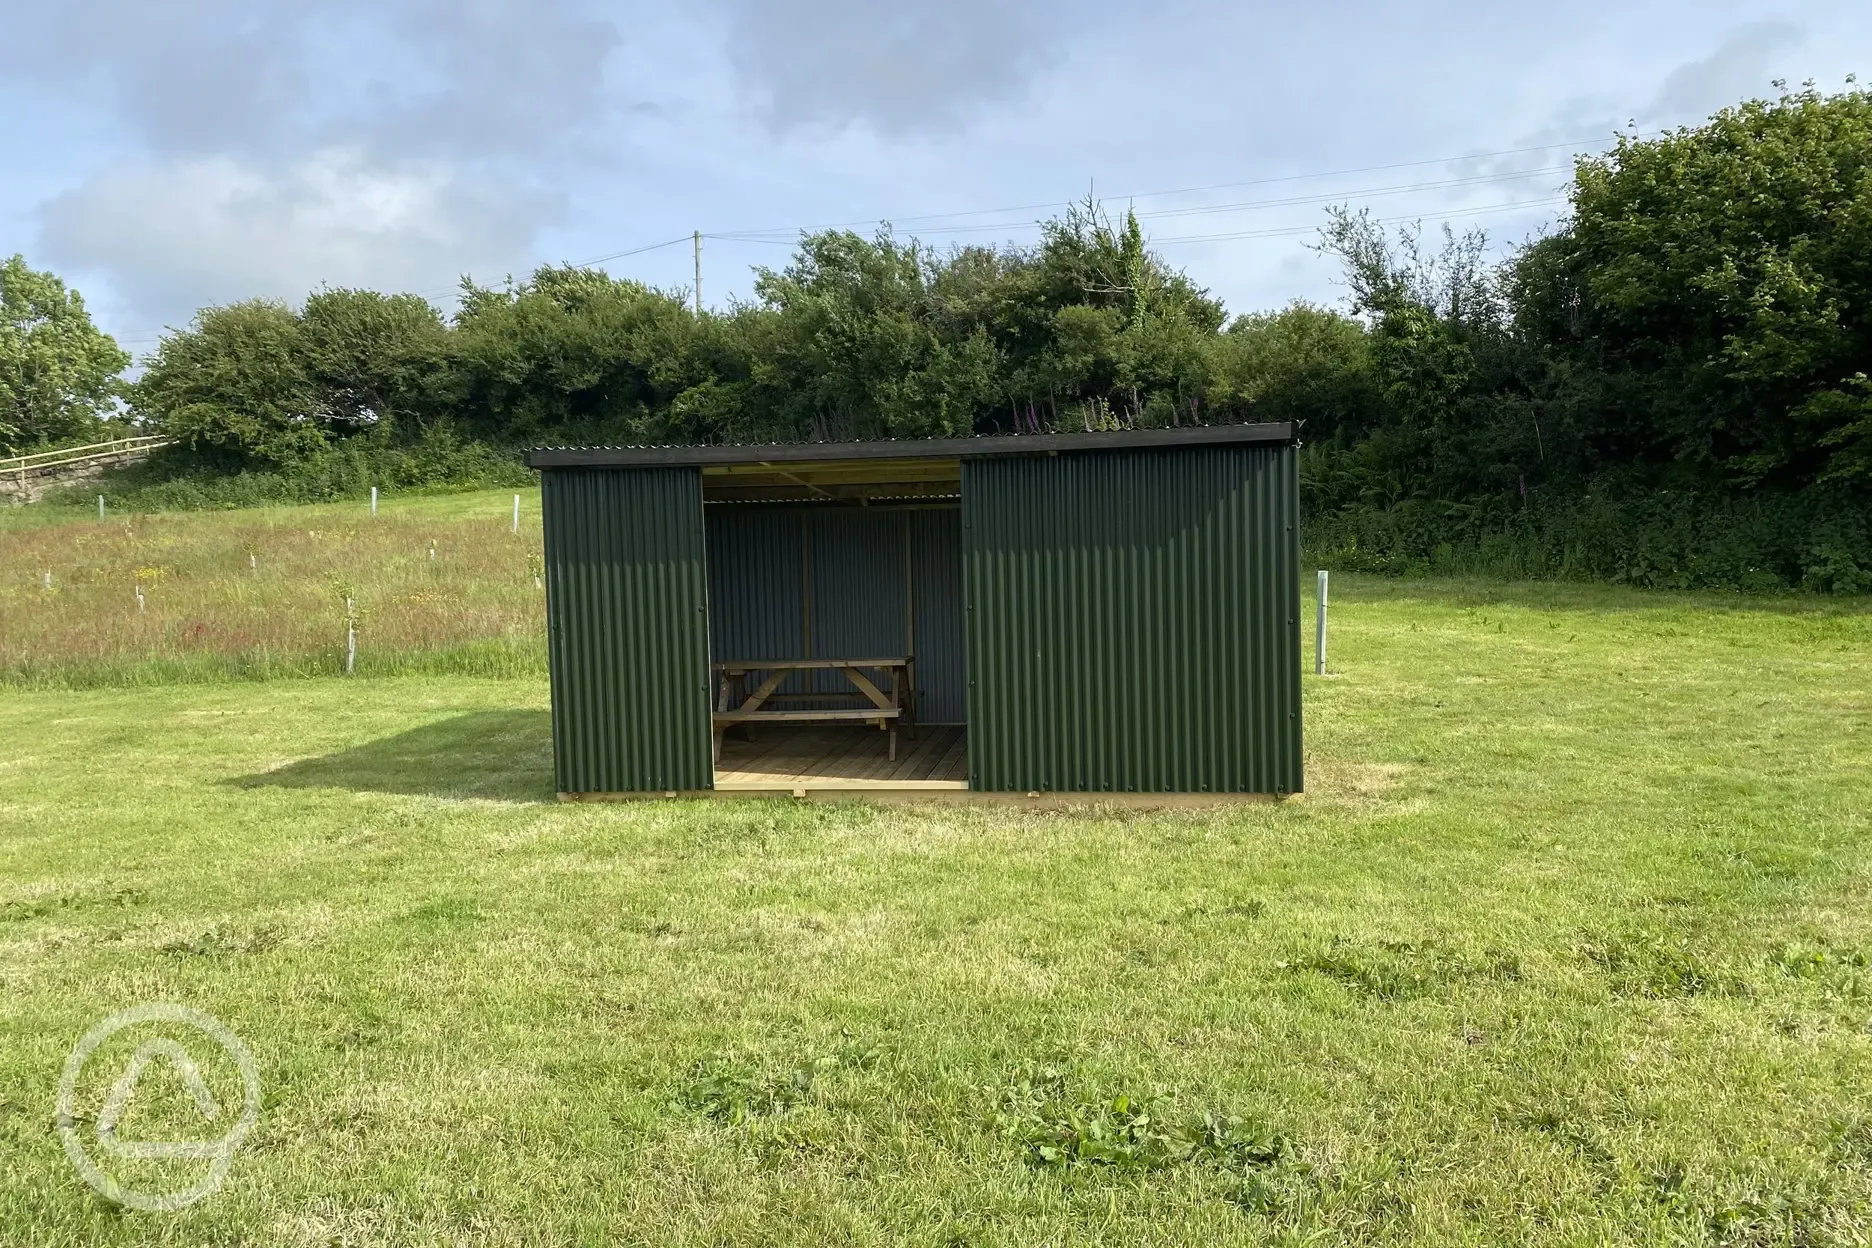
point(1319, 629)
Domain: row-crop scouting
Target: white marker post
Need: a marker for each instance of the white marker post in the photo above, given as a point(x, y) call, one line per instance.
point(373, 500)
point(48, 580)
point(350, 657)
point(100, 506)
point(1319, 629)
point(139, 594)
point(516, 527)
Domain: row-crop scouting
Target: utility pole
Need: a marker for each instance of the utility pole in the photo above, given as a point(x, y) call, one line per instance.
point(698, 274)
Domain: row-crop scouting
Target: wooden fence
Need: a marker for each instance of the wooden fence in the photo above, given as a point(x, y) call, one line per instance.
point(73, 455)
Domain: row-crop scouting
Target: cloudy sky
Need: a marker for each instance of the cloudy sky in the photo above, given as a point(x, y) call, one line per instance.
point(165, 154)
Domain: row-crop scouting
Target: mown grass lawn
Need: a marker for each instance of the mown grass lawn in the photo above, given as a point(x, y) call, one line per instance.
point(1566, 944)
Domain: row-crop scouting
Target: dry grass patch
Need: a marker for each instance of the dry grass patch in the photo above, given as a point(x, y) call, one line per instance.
point(1350, 782)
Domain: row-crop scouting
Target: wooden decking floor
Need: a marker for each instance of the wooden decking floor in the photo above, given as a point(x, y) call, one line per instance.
point(832, 757)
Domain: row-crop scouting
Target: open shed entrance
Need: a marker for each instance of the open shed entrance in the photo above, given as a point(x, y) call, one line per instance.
point(836, 626)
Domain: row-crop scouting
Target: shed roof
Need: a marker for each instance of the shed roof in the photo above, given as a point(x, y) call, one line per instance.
point(887, 468)
point(904, 448)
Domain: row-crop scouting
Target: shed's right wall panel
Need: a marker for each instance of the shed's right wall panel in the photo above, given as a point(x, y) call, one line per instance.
point(1133, 621)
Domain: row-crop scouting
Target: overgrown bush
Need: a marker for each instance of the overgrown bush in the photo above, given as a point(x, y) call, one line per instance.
point(178, 481)
point(1819, 540)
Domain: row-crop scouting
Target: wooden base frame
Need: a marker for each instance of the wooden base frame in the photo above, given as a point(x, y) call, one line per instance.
point(948, 793)
point(830, 763)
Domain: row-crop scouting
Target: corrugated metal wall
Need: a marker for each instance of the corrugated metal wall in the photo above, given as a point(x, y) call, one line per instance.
point(1133, 621)
point(858, 601)
point(627, 628)
point(756, 560)
point(936, 591)
point(759, 559)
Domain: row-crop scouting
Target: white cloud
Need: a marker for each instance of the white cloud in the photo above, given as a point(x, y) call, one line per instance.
point(1742, 67)
point(250, 150)
point(903, 67)
point(192, 150)
point(214, 229)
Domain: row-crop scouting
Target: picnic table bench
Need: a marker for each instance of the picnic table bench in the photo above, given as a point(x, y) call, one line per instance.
point(736, 705)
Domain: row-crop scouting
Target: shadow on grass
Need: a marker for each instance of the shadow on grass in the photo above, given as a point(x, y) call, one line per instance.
point(497, 755)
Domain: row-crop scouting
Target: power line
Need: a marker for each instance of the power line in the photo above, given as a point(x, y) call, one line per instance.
point(1210, 209)
point(1295, 230)
point(742, 235)
point(148, 337)
point(1292, 201)
point(788, 236)
point(1342, 173)
point(619, 255)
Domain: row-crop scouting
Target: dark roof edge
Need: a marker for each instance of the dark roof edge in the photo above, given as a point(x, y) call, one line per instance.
point(907, 448)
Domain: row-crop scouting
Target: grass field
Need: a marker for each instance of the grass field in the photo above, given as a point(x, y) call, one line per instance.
point(1567, 943)
point(204, 595)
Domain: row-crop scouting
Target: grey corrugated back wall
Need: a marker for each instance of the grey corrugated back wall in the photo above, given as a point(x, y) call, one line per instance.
point(860, 557)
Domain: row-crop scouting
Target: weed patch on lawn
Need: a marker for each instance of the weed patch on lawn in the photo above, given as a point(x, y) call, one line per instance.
point(1842, 974)
point(1074, 1135)
point(1579, 1138)
point(68, 901)
point(1808, 1214)
point(1247, 909)
point(731, 1089)
point(227, 940)
point(1403, 970)
point(1660, 966)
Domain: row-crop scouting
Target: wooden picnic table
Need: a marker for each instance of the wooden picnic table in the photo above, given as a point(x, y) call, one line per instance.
point(735, 705)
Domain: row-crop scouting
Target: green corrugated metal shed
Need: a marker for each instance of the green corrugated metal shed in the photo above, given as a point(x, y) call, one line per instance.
point(1132, 601)
point(627, 629)
point(1133, 621)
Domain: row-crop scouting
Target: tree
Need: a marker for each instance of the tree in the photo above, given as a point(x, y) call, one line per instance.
point(1099, 331)
point(382, 362)
point(58, 372)
point(1304, 363)
point(234, 387)
point(574, 354)
point(855, 341)
point(1714, 290)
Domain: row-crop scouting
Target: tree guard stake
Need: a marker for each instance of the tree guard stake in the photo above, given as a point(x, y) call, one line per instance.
point(1319, 629)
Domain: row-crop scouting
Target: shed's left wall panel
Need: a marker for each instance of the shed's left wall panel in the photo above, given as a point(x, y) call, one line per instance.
point(627, 627)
